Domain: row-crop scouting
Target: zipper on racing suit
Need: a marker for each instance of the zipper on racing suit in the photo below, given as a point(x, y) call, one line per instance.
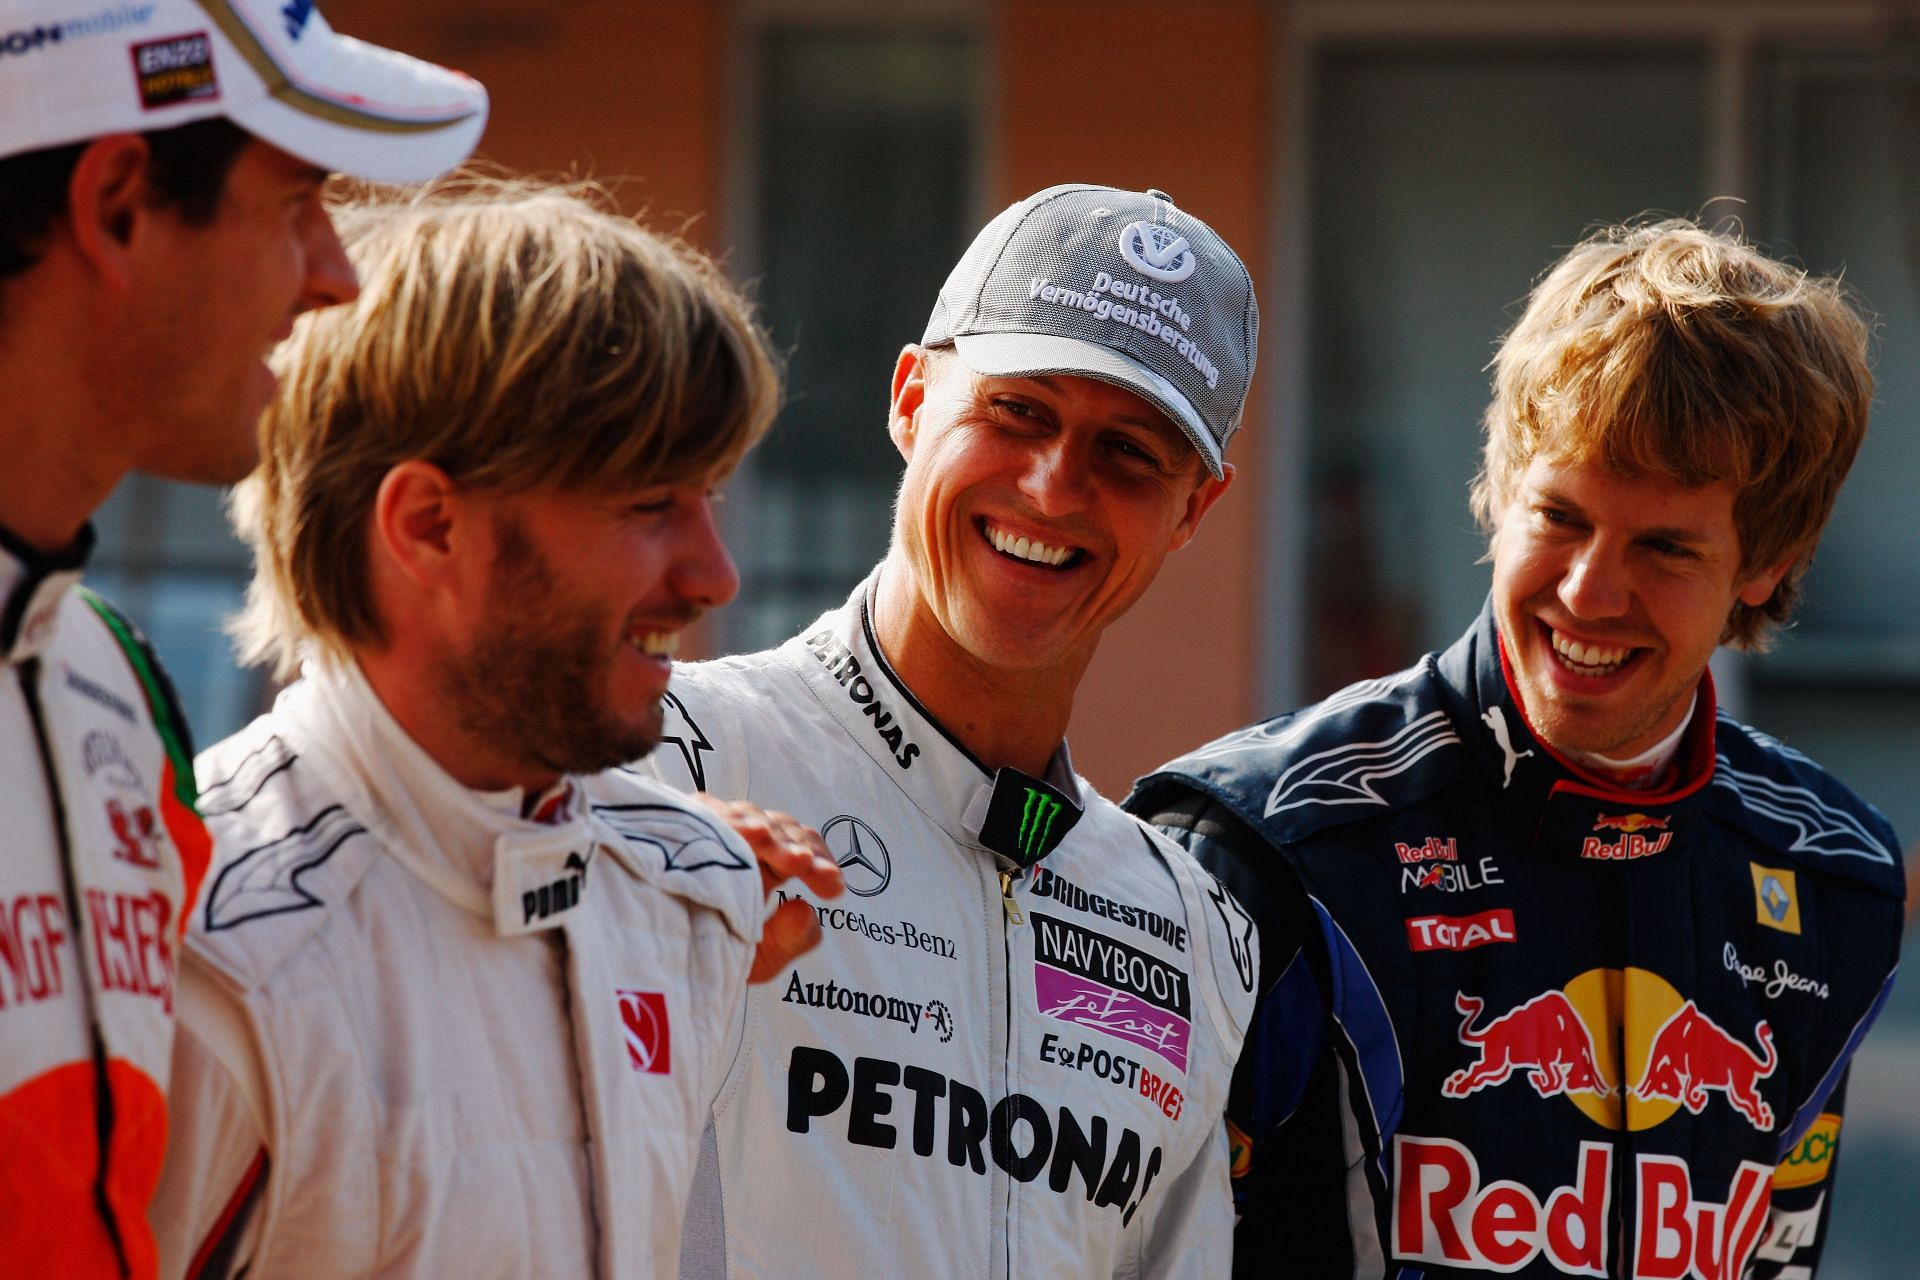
point(1011, 918)
point(1006, 899)
point(582, 1049)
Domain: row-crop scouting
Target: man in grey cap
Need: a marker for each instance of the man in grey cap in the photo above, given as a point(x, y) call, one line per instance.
point(1009, 1056)
point(160, 227)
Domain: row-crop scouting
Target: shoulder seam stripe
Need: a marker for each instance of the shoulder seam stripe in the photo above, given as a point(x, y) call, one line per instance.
point(1815, 821)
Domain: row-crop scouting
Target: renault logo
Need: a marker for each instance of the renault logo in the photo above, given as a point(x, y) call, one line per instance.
point(861, 853)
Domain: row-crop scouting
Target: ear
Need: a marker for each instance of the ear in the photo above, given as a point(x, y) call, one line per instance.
point(107, 203)
point(420, 524)
point(909, 394)
point(1758, 589)
point(1199, 502)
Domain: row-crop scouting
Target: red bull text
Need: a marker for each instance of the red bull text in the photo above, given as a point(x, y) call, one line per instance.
point(1631, 843)
point(1443, 1214)
point(1434, 850)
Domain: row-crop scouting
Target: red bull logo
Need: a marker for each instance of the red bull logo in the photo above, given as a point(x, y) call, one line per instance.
point(1631, 844)
point(1628, 847)
point(1434, 850)
point(1629, 822)
point(1622, 1046)
point(1443, 1213)
point(1545, 1037)
point(1691, 1054)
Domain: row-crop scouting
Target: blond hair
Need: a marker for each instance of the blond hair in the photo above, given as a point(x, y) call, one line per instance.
point(517, 335)
point(1667, 349)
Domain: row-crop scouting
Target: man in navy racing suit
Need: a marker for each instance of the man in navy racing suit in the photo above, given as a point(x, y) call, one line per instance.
point(1563, 967)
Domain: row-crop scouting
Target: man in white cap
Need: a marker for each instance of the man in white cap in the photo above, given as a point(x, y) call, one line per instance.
point(1011, 1058)
point(160, 227)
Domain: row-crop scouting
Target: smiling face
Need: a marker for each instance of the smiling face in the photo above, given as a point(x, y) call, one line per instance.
point(573, 628)
point(213, 299)
point(1035, 511)
point(1612, 593)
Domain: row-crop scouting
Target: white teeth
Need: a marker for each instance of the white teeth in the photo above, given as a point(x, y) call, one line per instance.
point(656, 644)
point(1027, 548)
point(1588, 659)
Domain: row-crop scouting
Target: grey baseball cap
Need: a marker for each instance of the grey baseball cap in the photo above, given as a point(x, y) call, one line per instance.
point(1116, 285)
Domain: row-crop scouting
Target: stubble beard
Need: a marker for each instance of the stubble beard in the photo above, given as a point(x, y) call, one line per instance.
point(534, 680)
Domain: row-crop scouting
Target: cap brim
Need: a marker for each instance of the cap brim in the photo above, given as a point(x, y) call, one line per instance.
point(360, 109)
point(1032, 355)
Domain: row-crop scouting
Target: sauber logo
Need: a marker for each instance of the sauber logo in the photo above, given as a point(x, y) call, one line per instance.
point(643, 1019)
point(1628, 1072)
point(1459, 933)
point(1443, 1214)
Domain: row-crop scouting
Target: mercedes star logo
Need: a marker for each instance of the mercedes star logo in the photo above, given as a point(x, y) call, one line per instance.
point(861, 853)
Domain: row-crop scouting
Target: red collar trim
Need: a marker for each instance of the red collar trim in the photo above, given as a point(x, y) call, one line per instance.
point(548, 808)
point(1696, 753)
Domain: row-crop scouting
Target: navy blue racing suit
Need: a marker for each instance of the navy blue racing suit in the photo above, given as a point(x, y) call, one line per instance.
point(1514, 1019)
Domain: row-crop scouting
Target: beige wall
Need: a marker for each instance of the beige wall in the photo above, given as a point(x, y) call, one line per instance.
point(1083, 97)
point(619, 89)
point(629, 92)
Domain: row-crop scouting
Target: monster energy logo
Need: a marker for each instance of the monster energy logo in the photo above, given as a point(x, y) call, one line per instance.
point(1026, 819)
point(1036, 823)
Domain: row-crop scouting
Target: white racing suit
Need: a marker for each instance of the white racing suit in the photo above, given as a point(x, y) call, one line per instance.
point(1009, 1055)
point(422, 1036)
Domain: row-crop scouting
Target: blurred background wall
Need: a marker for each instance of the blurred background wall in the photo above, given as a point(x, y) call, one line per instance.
point(1395, 173)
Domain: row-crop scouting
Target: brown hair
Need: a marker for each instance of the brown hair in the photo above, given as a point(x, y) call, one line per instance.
point(517, 335)
point(1668, 349)
point(187, 168)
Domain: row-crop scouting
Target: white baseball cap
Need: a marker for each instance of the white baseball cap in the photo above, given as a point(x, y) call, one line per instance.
point(77, 69)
